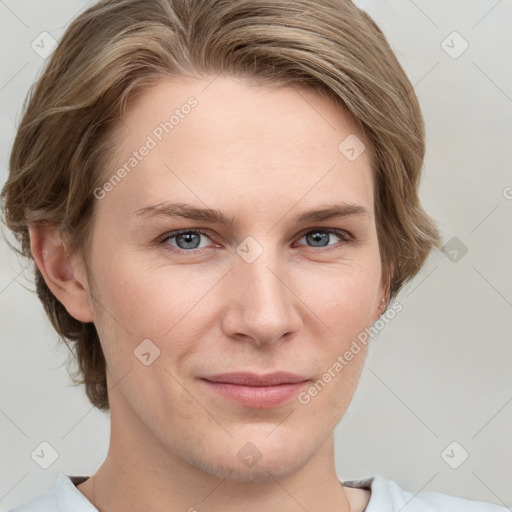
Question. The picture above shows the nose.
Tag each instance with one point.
(261, 306)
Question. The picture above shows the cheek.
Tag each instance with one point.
(329, 396)
(343, 297)
(344, 304)
(166, 305)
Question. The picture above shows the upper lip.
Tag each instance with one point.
(252, 379)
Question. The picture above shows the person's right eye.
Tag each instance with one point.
(187, 240)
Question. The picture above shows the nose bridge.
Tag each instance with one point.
(262, 302)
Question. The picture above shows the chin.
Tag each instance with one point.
(269, 464)
(268, 471)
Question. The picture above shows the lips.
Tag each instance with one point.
(251, 379)
(257, 391)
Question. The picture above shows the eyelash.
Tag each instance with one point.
(342, 234)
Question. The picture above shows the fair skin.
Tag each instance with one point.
(262, 156)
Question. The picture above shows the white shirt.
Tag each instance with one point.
(386, 496)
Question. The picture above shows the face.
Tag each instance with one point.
(182, 298)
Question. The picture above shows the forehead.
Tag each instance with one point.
(220, 137)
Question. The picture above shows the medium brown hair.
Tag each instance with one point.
(118, 48)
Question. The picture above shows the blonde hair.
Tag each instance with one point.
(118, 48)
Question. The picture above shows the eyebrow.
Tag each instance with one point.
(182, 210)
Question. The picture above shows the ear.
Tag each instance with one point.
(382, 301)
(63, 272)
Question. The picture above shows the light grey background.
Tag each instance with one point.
(439, 372)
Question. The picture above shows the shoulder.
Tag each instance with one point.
(46, 502)
(388, 495)
(63, 497)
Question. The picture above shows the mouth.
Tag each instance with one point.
(256, 391)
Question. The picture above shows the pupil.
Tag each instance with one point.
(187, 238)
(316, 237)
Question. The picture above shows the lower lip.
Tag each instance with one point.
(261, 397)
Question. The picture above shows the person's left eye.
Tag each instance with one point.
(188, 240)
(321, 235)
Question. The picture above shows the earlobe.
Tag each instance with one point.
(382, 303)
(380, 307)
(61, 271)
